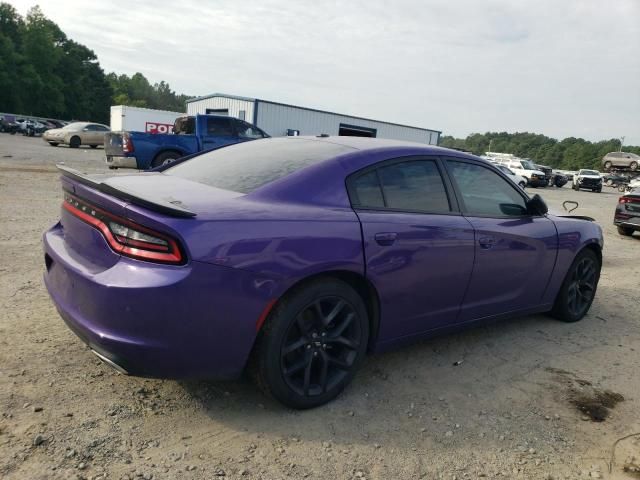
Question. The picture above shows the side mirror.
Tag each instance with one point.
(85, 129)
(537, 206)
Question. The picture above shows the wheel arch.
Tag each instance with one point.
(359, 283)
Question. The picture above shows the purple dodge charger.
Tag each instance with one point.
(294, 257)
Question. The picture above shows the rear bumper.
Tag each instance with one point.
(121, 162)
(151, 320)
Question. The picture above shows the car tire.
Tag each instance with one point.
(311, 344)
(607, 166)
(633, 166)
(522, 185)
(74, 142)
(165, 158)
(93, 146)
(578, 288)
(53, 144)
(610, 183)
(625, 231)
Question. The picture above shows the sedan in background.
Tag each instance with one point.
(627, 215)
(76, 134)
(293, 257)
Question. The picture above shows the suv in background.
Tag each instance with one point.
(588, 179)
(548, 173)
(621, 160)
(526, 169)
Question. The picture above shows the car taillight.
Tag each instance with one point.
(628, 200)
(126, 237)
(127, 143)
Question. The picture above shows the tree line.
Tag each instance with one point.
(569, 154)
(46, 74)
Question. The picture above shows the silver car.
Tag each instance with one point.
(76, 134)
(621, 160)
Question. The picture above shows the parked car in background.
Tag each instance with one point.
(621, 160)
(191, 134)
(526, 169)
(559, 179)
(517, 179)
(32, 128)
(8, 124)
(614, 179)
(76, 134)
(548, 173)
(294, 256)
(587, 179)
(627, 214)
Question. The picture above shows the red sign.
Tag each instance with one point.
(154, 127)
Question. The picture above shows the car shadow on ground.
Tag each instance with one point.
(420, 387)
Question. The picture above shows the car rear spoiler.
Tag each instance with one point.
(101, 183)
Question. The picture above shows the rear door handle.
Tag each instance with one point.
(486, 242)
(386, 238)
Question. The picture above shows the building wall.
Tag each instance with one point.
(276, 119)
(232, 104)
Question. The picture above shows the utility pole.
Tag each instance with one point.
(490, 142)
(621, 142)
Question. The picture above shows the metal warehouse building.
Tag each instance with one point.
(279, 119)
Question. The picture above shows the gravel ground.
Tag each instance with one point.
(509, 400)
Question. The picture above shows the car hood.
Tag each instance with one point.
(537, 172)
(589, 176)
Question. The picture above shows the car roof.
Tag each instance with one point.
(367, 143)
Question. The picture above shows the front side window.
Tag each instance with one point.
(485, 193)
(414, 185)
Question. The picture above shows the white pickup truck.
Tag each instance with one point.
(587, 179)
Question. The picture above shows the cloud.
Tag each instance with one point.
(566, 68)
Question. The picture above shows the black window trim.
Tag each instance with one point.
(447, 159)
(448, 187)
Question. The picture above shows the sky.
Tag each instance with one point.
(560, 68)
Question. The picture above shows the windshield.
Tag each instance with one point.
(246, 166)
(589, 172)
(528, 165)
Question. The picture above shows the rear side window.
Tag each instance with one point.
(219, 126)
(244, 167)
(415, 185)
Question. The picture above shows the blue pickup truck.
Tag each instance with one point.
(191, 134)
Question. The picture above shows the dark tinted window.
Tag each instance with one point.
(366, 191)
(100, 128)
(219, 126)
(414, 185)
(486, 193)
(243, 167)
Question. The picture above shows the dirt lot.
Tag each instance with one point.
(520, 405)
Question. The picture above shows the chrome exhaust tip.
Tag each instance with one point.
(111, 363)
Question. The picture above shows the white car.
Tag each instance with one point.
(517, 179)
(588, 179)
(526, 169)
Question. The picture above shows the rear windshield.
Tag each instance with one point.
(589, 172)
(247, 166)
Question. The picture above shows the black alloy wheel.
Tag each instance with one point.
(321, 346)
(579, 287)
(312, 344)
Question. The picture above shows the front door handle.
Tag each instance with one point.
(386, 238)
(486, 242)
